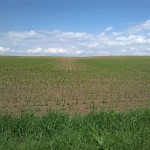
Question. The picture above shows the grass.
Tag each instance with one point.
(94, 131)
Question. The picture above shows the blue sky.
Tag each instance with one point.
(74, 27)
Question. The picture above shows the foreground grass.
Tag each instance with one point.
(95, 131)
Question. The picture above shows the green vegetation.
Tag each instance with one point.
(95, 131)
(115, 89)
(74, 85)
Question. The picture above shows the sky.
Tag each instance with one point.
(74, 27)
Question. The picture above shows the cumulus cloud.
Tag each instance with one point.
(145, 26)
(2, 49)
(133, 41)
(46, 51)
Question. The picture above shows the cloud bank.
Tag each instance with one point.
(131, 41)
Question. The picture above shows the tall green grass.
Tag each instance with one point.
(95, 131)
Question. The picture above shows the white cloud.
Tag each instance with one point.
(116, 33)
(21, 35)
(2, 49)
(108, 29)
(132, 39)
(78, 52)
(34, 51)
(140, 27)
(56, 50)
(45, 51)
(61, 43)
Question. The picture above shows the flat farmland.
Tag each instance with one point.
(74, 85)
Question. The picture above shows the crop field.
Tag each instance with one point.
(63, 103)
(74, 85)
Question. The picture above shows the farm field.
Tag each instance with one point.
(74, 85)
(66, 103)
